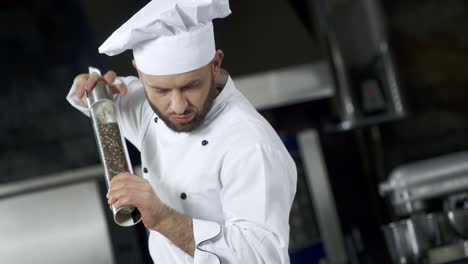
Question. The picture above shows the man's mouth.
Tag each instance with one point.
(182, 119)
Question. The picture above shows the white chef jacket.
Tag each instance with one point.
(232, 175)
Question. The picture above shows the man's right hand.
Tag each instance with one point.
(85, 82)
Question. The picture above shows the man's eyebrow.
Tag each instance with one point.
(155, 86)
(159, 88)
(190, 83)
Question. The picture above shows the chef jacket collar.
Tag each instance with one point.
(224, 82)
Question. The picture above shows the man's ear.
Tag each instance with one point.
(217, 60)
(136, 68)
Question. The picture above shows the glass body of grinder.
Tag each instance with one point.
(111, 143)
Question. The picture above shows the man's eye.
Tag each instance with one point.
(191, 86)
(160, 91)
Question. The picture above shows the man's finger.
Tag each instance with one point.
(136, 186)
(109, 77)
(117, 86)
(116, 196)
(121, 88)
(122, 202)
(129, 185)
(123, 176)
(79, 91)
(122, 180)
(79, 84)
(93, 77)
(135, 199)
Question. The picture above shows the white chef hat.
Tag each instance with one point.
(169, 36)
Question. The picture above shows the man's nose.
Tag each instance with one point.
(178, 103)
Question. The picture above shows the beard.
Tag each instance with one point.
(198, 116)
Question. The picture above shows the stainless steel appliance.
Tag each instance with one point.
(368, 89)
(64, 218)
(430, 198)
(53, 220)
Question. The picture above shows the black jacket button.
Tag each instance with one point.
(145, 170)
(183, 196)
(204, 142)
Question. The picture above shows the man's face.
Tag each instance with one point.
(181, 100)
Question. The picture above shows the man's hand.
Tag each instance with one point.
(127, 189)
(85, 82)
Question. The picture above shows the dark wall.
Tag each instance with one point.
(43, 45)
(264, 35)
(430, 42)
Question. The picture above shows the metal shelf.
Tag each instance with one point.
(286, 86)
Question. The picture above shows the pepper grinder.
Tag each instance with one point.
(111, 143)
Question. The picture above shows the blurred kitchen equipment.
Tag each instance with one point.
(409, 240)
(413, 190)
(63, 218)
(452, 253)
(367, 85)
(111, 143)
(406, 240)
(456, 210)
(410, 186)
(322, 198)
(458, 220)
(45, 223)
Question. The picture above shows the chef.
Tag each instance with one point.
(217, 183)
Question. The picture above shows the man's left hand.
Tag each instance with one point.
(128, 189)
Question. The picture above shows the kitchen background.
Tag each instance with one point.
(302, 62)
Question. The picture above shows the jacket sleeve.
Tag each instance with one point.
(259, 184)
(132, 109)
